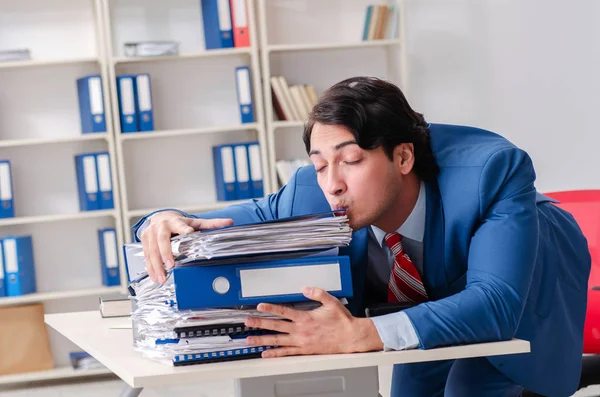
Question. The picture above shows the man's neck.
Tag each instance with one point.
(401, 208)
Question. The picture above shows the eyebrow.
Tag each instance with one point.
(337, 147)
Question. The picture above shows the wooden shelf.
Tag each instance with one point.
(23, 220)
(195, 55)
(331, 46)
(189, 208)
(51, 374)
(44, 141)
(190, 131)
(49, 296)
(40, 63)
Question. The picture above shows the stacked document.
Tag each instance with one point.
(220, 276)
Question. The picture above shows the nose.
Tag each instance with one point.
(335, 184)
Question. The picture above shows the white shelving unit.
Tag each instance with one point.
(40, 134)
(318, 43)
(194, 102)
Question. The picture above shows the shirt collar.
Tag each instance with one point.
(414, 226)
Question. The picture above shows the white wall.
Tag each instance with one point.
(525, 69)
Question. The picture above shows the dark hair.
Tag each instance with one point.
(377, 114)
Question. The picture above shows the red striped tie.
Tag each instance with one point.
(405, 283)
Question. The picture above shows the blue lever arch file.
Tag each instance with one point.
(198, 287)
(107, 241)
(216, 16)
(144, 102)
(244, 94)
(2, 281)
(242, 172)
(256, 174)
(127, 103)
(91, 104)
(106, 199)
(87, 182)
(19, 266)
(7, 209)
(224, 170)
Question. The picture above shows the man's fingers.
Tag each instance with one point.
(281, 311)
(270, 340)
(281, 352)
(201, 224)
(146, 246)
(155, 259)
(319, 295)
(270, 324)
(163, 239)
(182, 226)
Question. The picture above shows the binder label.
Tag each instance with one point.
(227, 164)
(241, 164)
(5, 186)
(143, 87)
(127, 105)
(290, 279)
(104, 173)
(10, 255)
(1, 263)
(89, 174)
(243, 77)
(95, 88)
(255, 167)
(224, 15)
(110, 249)
(239, 12)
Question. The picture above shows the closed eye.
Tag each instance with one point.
(353, 162)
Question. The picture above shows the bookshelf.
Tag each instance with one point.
(319, 43)
(194, 101)
(40, 134)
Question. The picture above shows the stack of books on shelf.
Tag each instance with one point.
(287, 168)
(198, 314)
(381, 22)
(292, 102)
(238, 171)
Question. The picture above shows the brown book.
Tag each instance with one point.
(24, 342)
(277, 105)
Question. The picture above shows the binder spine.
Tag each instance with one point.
(6, 190)
(126, 91)
(87, 182)
(144, 102)
(221, 355)
(244, 94)
(242, 172)
(232, 330)
(107, 241)
(224, 170)
(105, 189)
(2, 271)
(216, 17)
(256, 174)
(18, 262)
(91, 104)
(239, 17)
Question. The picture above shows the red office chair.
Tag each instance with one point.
(584, 205)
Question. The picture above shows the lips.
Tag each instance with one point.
(341, 210)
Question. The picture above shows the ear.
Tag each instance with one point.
(404, 157)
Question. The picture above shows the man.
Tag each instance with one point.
(444, 217)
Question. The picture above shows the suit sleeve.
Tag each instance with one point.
(274, 206)
(501, 259)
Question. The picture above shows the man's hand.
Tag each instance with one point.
(156, 239)
(328, 329)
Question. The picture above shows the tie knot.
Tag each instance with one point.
(394, 242)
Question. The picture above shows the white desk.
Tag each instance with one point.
(113, 348)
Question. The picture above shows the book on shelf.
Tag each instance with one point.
(381, 22)
(287, 168)
(117, 305)
(293, 102)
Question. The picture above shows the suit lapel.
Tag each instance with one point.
(433, 244)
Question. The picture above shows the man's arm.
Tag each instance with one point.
(500, 264)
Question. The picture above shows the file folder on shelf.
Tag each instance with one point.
(239, 17)
(2, 281)
(244, 94)
(242, 172)
(126, 91)
(104, 181)
(107, 241)
(87, 182)
(216, 16)
(224, 170)
(144, 102)
(198, 287)
(7, 209)
(256, 174)
(91, 104)
(19, 265)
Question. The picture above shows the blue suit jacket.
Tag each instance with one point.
(500, 260)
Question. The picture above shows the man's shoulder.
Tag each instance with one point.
(458, 146)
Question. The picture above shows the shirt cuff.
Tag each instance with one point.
(396, 331)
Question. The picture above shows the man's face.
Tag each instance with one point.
(365, 183)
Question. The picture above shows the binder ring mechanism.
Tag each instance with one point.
(221, 285)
